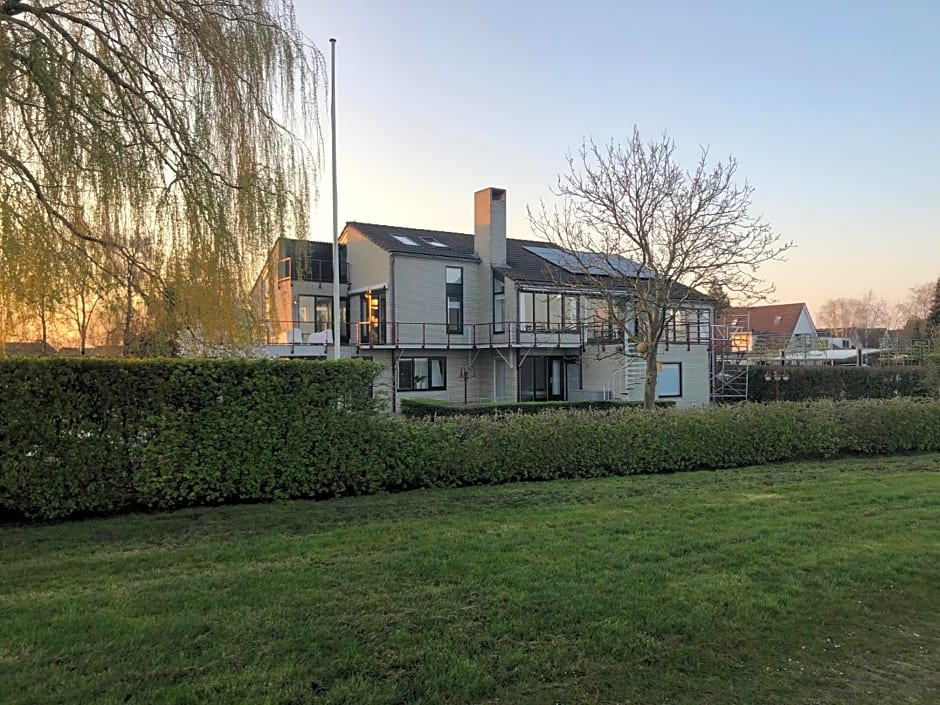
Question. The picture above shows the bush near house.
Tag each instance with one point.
(423, 408)
(84, 436)
(837, 382)
(87, 436)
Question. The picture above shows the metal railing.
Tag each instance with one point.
(369, 334)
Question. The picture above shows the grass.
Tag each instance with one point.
(799, 583)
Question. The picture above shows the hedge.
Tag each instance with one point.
(836, 382)
(420, 408)
(84, 436)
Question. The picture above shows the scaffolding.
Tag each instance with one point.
(897, 351)
(731, 343)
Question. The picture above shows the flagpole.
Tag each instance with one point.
(336, 273)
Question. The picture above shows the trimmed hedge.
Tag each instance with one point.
(421, 408)
(80, 437)
(84, 436)
(837, 382)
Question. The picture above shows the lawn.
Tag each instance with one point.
(799, 583)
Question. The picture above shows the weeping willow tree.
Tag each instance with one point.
(177, 136)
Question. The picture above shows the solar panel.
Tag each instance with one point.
(592, 263)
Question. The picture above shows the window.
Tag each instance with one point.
(602, 325)
(499, 379)
(572, 306)
(554, 311)
(499, 304)
(777, 320)
(548, 312)
(318, 310)
(526, 309)
(306, 306)
(422, 373)
(669, 380)
(453, 279)
(434, 242)
(372, 318)
(405, 240)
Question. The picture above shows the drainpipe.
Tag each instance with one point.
(390, 303)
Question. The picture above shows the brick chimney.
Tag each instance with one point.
(489, 225)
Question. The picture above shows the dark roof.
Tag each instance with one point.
(459, 245)
(524, 267)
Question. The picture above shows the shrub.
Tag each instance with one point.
(92, 436)
(838, 382)
(82, 436)
(418, 408)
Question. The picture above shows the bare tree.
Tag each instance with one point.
(191, 125)
(680, 230)
(915, 309)
(863, 318)
(838, 316)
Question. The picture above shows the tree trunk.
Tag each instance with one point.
(128, 313)
(44, 333)
(649, 391)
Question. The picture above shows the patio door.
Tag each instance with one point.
(542, 378)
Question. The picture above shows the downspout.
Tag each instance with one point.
(394, 317)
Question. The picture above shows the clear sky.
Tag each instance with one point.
(832, 110)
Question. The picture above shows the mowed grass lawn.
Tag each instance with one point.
(801, 583)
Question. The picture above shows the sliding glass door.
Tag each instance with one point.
(542, 378)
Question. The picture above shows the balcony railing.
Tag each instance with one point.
(367, 334)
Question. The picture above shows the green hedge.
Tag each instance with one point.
(80, 437)
(837, 382)
(420, 408)
(96, 436)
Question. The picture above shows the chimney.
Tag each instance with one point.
(489, 225)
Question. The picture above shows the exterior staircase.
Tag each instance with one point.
(629, 376)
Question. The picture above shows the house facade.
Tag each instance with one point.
(482, 317)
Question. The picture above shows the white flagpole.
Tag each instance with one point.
(336, 274)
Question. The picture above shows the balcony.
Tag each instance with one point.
(475, 335)
(509, 334)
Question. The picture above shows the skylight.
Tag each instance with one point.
(405, 240)
(434, 242)
(777, 320)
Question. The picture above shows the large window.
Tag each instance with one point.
(372, 318)
(453, 278)
(601, 325)
(422, 373)
(669, 380)
(547, 311)
(499, 303)
(318, 310)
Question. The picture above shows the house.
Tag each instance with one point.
(469, 317)
(778, 329)
(838, 339)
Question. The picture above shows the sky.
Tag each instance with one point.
(832, 110)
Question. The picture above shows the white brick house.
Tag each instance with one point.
(482, 317)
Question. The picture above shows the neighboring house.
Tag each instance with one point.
(776, 329)
(838, 339)
(482, 317)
